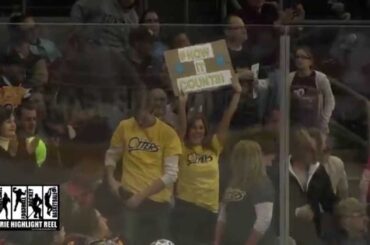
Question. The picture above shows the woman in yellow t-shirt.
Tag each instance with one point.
(197, 189)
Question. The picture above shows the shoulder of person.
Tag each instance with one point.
(165, 126)
(320, 75)
(336, 161)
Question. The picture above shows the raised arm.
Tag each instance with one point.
(228, 114)
(183, 98)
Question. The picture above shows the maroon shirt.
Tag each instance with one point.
(305, 101)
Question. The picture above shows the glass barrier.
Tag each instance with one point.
(189, 134)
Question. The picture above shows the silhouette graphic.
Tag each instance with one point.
(47, 201)
(4, 205)
(19, 193)
(36, 202)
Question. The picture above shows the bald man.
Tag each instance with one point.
(160, 108)
(236, 36)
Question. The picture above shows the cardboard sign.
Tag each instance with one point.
(200, 67)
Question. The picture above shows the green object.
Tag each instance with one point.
(41, 153)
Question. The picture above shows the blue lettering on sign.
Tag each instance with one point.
(220, 60)
(180, 68)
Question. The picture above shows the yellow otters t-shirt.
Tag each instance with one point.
(144, 151)
(198, 180)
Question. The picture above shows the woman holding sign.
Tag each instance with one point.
(197, 190)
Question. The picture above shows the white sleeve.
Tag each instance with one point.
(171, 168)
(264, 216)
(222, 213)
(112, 156)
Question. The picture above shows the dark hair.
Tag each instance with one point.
(5, 113)
(207, 136)
(24, 106)
(17, 18)
(172, 36)
(14, 23)
(140, 34)
(146, 12)
(308, 51)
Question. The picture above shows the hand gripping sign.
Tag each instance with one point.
(200, 67)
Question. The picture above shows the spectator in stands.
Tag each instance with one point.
(246, 215)
(150, 151)
(7, 133)
(312, 100)
(160, 107)
(26, 131)
(12, 71)
(17, 166)
(106, 13)
(151, 19)
(353, 223)
(179, 40)
(236, 36)
(140, 56)
(24, 24)
(334, 166)
(197, 190)
(19, 46)
(311, 191)
(258, 12)
(254, 97)
(321, 10)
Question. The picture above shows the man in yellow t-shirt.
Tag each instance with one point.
(150, 151)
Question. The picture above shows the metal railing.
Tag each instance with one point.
(358, 96)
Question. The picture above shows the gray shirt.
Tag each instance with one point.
(110, 24)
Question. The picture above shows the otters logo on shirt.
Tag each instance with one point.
(234, 195)
(195, 158)
(139, 144)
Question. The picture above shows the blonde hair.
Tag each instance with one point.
(303, 147)
(247, 168)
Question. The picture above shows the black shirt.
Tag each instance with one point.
(241, 215)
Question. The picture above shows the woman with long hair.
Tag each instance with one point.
(247, 209)
(197, 189)
(312, 98)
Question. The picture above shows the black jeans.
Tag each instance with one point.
(192, 224)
